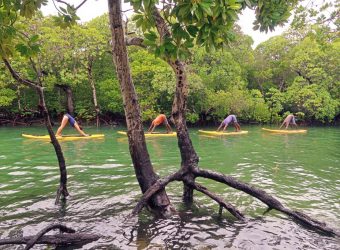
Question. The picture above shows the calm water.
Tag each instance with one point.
(302, 171)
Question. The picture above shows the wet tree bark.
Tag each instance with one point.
(62, 190)
(72, 238)
(93, 87)
(18, 93)
(188, 154)
(145, 174)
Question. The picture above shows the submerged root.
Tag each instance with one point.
(71, 238)
(260, 194)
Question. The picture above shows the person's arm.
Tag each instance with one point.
(218, 129)
(168, 127)
(150, 127)
(76, 126)
(225, 127)
(281, 125)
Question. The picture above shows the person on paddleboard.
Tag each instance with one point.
(159, 120)
(290, 120)
(67, 118)
(230, 119)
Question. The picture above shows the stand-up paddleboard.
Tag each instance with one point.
(243, 132)
(282, 131)
(154, 134)
(64, 137)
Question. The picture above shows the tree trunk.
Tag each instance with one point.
(93, 87)
(62, 190)
(19, 99)
(69, 97)
(188, 153)
(139, 154)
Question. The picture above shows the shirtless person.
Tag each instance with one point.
(290, 119)
(159, 120)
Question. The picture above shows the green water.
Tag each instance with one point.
(301, 170)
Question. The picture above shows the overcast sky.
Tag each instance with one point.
(93, 8)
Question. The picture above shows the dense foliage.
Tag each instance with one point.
(295, 72)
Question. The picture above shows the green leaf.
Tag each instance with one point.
(192, 30)
(23, 49)
(34, 38)
(151, 36)
(149, 43)
(206, 8)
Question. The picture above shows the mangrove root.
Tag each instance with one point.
(260, 194)
(71, 238)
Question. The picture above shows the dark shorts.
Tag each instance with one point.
(71, 120)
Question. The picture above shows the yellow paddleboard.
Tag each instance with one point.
(243, 132)
(65, 137)
(151, 135)
(284, 131)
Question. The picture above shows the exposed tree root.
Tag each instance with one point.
(269, 200)
(157, 186)
(219, 200)
(71, 238)
(263, 196)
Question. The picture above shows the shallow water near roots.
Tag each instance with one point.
(301, 170)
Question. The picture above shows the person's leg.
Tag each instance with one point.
(238, 126)
(64, 121)
(225, 127)
(154, 125)
(281, 125)
(294, 122)
(235, 126)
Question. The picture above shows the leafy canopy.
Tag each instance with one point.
(204, 22)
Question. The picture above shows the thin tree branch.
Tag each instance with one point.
(18, 78)
(81, 4)
(219, 200)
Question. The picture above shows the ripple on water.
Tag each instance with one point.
(103, 166)
(299, 171)
(20, 173)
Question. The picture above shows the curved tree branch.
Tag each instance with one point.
(269, 200)
(34, 240)
(219, 200)
(18, 78)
